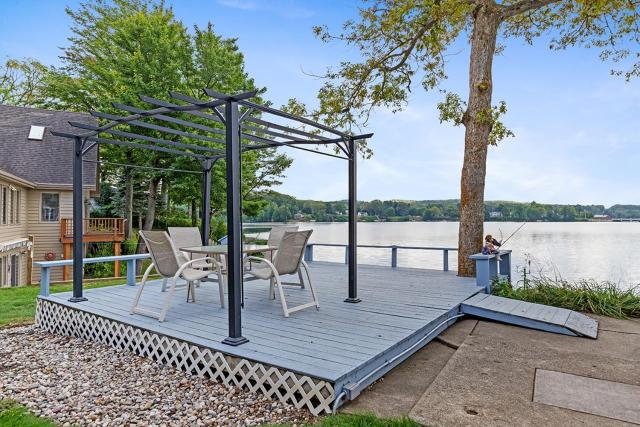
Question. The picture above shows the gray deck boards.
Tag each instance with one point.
(338, 341)
(527, 314)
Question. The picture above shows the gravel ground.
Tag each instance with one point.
(75, 382)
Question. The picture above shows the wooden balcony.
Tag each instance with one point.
(94, 230)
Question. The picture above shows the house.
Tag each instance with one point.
(601, 218)
(495, 214)
(36, 189)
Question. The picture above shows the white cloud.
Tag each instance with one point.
(238, 4)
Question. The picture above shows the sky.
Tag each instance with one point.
(576, 126)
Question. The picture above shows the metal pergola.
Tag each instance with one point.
(232, 121)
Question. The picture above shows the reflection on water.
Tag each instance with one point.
(575, 250)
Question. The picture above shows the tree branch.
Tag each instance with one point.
(525, 6)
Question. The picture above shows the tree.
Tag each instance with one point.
(123, 48)
(21, 82)
(400, 40)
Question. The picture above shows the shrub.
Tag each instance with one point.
(586, 295)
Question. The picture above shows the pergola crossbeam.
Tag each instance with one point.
(149, 138)
(170, 119)
(158, 128)
(267, 125)
(100, 140)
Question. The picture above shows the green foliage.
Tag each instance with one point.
(453, 109)
(101, 269)
(281, 208)
(14, 415)
(129, 246)
(589, 296)
(21, 82)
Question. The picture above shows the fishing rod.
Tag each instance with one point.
(513, 234)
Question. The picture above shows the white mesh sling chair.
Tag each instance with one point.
(288, 260)
(275, 237)
(184, 237)
(168, 264)
(277, 233)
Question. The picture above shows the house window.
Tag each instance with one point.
(50, 207)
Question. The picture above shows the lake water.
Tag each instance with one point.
(573, 250)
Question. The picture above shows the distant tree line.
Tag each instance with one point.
(280, 207)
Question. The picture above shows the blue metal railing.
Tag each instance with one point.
(308, 254)
(45, 268)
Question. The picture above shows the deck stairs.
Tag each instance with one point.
(530, 315)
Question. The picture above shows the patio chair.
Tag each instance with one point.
(169, 265)
(274, 239)
(184, 237)
(277, 233)
(288, 260)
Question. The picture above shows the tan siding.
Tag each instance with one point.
(10, 232)
(47, 234)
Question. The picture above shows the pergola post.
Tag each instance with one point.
(234, 222)
(205, 213)
(353, 223)
(78, 207)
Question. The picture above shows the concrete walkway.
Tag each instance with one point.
(489, 380)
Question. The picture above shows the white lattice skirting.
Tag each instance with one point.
(299, 390)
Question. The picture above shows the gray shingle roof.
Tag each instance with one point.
(47, 162)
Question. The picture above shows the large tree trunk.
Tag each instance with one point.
(151, 204)
(483, 44)
(128, 203)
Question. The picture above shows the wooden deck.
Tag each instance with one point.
(346, 345)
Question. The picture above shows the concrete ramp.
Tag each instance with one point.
(530, 315)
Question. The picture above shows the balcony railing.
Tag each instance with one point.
(105, 227)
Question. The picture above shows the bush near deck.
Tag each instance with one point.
(587, 296)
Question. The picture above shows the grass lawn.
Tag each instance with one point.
(14, 415)
(18, 305)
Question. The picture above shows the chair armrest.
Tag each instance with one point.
(188, 263)
(258, 259)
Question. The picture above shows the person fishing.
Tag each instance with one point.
(491, 245)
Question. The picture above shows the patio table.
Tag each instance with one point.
(216, 251)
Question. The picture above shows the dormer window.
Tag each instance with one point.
(36, 133)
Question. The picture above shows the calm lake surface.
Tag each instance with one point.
(573, 250)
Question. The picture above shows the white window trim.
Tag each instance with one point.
(3, 218)
(40, 207)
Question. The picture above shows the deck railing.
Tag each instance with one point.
(111, 226)
(308, 254)
(46, 266)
